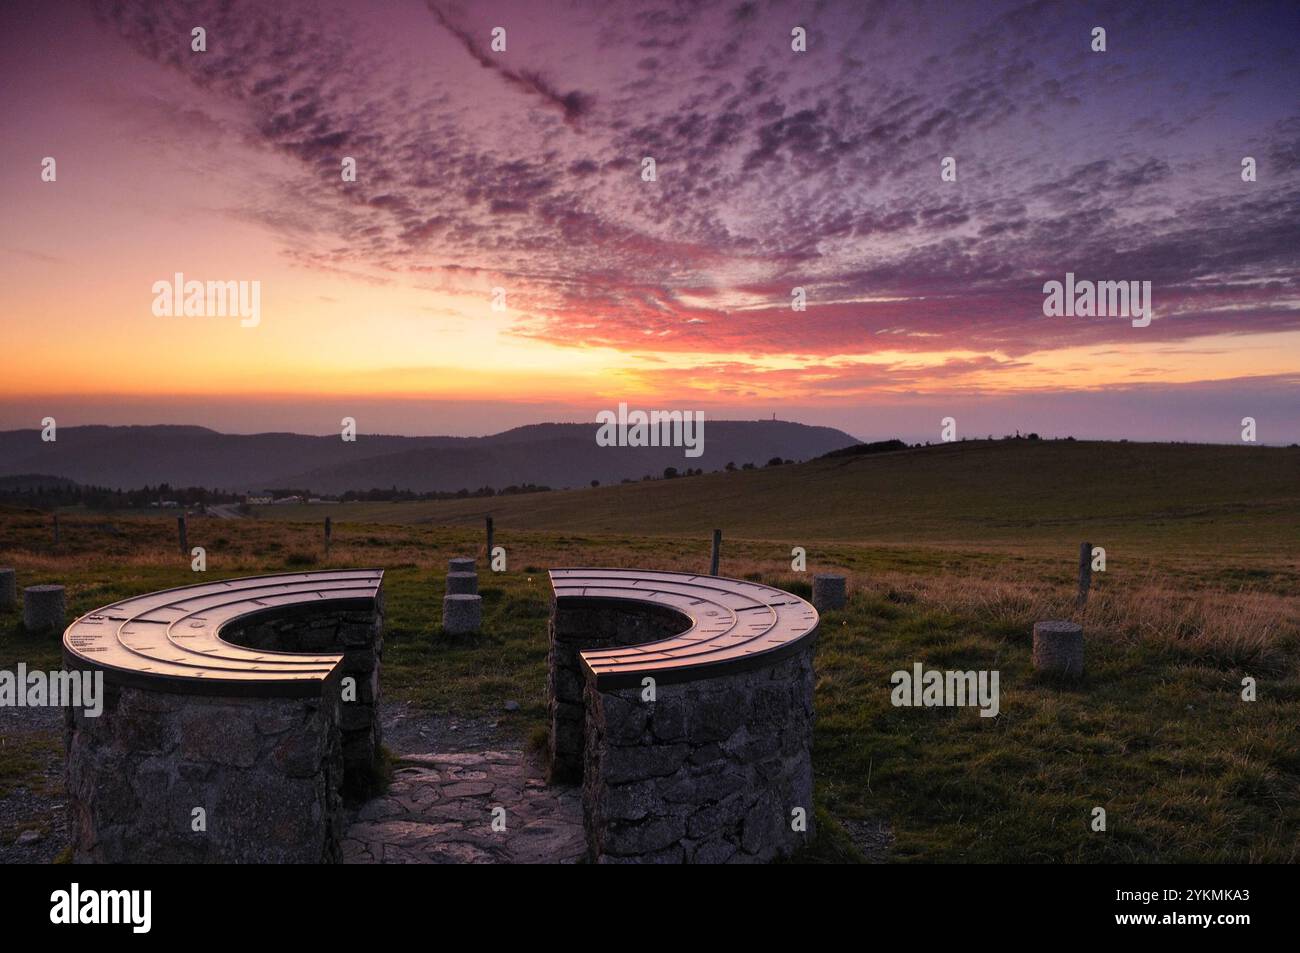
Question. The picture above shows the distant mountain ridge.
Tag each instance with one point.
(551, 454)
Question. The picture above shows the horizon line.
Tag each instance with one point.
(982, 438)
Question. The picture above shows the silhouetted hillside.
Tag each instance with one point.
(558, 455)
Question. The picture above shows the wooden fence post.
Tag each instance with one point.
(1085, 572)
(717, 551)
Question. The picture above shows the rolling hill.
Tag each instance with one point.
(975, 491)
(557, 455)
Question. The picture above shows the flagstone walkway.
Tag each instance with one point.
(468, 807)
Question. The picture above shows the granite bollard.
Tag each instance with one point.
(1058, 648)
(828, 592)
(462, 583)
(461, 564)
(44, 608)
(462, 613)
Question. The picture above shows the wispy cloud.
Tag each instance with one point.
(775, 169)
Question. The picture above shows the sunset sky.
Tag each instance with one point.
(775, 169)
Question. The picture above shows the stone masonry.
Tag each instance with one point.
(713, 771)
(269, 773)
(591, 624)
(356, 631)
(266, 772)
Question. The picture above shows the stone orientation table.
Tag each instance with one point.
(235, 713)
(684, 703)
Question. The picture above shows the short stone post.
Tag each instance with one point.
(182, 534)
(1085, 572)
(717, 552)
(8, 589)
(462, 583)
(462, 607)
(44, 608)
(1058, 648)
(462, 613)
(829, 592)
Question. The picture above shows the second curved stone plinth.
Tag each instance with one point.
(685, 705)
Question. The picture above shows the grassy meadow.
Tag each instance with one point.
(952, 553)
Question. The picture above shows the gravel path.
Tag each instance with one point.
(33, 822)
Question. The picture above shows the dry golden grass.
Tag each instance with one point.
(1013, 587)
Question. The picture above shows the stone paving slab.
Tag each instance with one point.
(439, 810)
